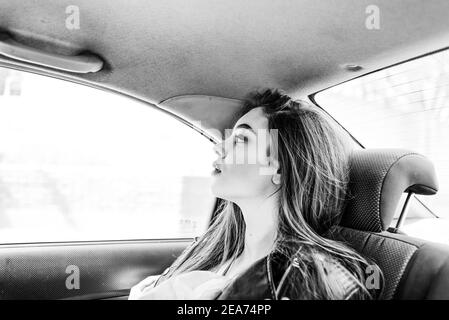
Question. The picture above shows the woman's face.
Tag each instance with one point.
(243, 169)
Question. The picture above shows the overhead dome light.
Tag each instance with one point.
(352, 67)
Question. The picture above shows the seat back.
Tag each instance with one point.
(412, 268)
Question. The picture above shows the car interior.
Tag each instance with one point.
(195, 61)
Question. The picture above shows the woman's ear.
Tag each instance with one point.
(276, 178)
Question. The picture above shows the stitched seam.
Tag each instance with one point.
(383, 236)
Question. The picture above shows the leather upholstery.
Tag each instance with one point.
(413, 268)
(427, 274)
(391, 255)
(378, 178)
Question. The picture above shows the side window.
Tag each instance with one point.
(80, 164)
(405, 106)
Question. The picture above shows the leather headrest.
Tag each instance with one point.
(377, 179)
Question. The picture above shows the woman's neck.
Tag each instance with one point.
(261, 227)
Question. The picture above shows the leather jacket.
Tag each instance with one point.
(274, 277)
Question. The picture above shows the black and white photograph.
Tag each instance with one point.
(236, 151)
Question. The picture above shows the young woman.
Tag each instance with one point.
(282, 175)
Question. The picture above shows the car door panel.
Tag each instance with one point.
(84, 270)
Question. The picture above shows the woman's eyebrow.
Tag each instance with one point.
(245, 126)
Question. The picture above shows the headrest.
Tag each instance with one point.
(377, 179)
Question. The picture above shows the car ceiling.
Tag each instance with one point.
(170, 52)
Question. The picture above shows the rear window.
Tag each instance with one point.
(405, 106)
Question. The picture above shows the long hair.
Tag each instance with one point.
(314, 176)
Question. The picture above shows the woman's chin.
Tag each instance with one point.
(218, 192)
